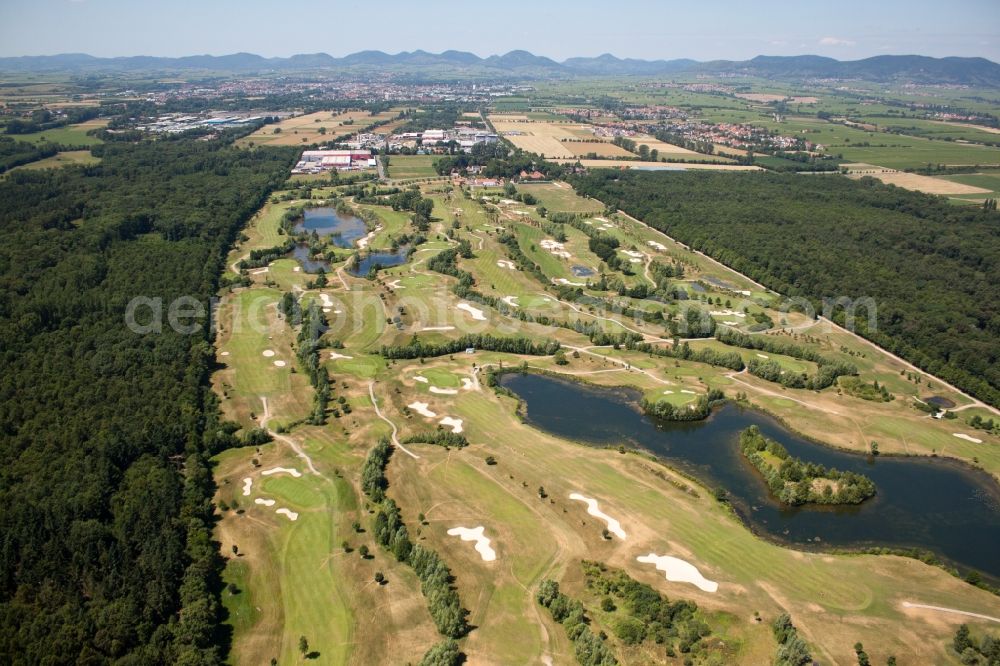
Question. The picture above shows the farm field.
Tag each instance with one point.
(928, 184)
(61, 159)
(314, 127)
(600, 148)
(412, 166)
(70, 135)
(637, 164)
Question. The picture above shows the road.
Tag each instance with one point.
(381, 167)
(955, 611)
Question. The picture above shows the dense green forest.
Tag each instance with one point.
(105, 437)
(930, 267)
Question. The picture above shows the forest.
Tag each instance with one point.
(106, 433)
(929, 266)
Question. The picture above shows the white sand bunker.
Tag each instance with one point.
(762, 356)
(568, 283)
(279, 364)
(327, 301)
(296, 269)
(658, 246)
(667, 392)
(454, 424)
(556, 248)
(727, 313)
(968, 438)
(247, 484)
(687, 391)
(509, 300)
(268, 353)
(327, 310)
(476, 313)
(224, 354)
(443, 391)
(475, 534)
(469, 384)
(438, 328)
(613, 525)
(679, 571)
(421, 408)
(504, 263)
(259, 271)
(634, 254)
(288, 512)
(334, 356)
(395, 284)
(421, 379)
(282, 470)
(264, 502)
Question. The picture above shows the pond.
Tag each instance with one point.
(383, 259)
(302, 255)
(581, 271)
(925, 503)
(940, 402)
(346, 229)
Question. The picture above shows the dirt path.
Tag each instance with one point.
(990, 618)
(395, 440)
(287, 440)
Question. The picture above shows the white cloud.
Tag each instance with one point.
(835, 41)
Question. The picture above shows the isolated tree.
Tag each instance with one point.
(379, 577)
(303, 645)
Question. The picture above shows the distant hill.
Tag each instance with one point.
(525, 65)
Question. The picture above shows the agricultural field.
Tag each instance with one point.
(667, 166)
(314, 127)
(70, 135)
(412, 166)
(65, 158)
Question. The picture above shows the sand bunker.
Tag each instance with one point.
(259, 271)
(968, 438)
(421, 379)
(475, 534)
(265, 502)
(503, 263)
(296, 269)
(421, 408)
(282, 470)
(334, 356)
(567, 282)
(667, 392)
(634, 254)
(509, 300)
(247, 484)
(288, 512)
(468, 384)
(687, 391)
(268, 353)
(763, 356)
(679, 571)
(613, 525)
(476, 313)
(438, 328)
(327, 301)
(454, 424)
(556, 248)
(224, 354)
(279, 364)
(655, 245)
(395, 284)
(726, 313)
(443, 391)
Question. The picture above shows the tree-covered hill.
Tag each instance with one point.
(932, 268)
(104, 434)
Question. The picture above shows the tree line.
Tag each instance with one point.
(588, 648)
(390, 532)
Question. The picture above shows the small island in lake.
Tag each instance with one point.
(795, 482)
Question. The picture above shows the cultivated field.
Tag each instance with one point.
(412, 166)
(928, 184)
(599, 148)
(314, 128)
(636, 164)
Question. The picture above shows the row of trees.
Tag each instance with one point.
(927, 264)
(794, 481)
(390, 532)
(15, 153)
(589, 648)
(482, 341)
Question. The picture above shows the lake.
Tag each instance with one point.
(302, 255)
(346, 229)
(926, 503)
(383, 259)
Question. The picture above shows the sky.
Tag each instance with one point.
(648, 29)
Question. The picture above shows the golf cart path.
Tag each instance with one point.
(287, 440)
(395, 440)
(907, 604)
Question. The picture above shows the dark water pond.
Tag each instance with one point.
(581, 271)
(383, 259)
(931, 504)
(301, 254)
(940, 402)
(346, 229)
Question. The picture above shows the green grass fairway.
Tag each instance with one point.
(70, 135)
(560, 197)
(412, 166)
